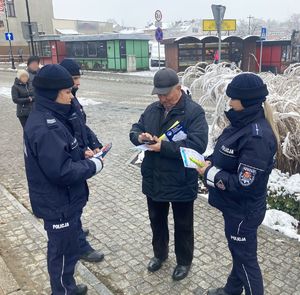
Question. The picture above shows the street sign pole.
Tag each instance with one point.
(158, 55)
(263, 35)
(30, 29)
(9, 39)
(260, 56)
(218, 13)
(158, 18)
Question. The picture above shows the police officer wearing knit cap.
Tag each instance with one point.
(237, 174)
(165, 180)
(73, 68)
(56, 172)
(90, 144)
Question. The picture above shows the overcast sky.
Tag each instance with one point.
(139, 12)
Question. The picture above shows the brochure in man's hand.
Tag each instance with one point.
(191, 158)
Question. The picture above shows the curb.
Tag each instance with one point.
(89, 277)
(8, 285)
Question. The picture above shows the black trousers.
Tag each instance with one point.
(62, 254)
(183, 214)
(241, 235)
(23, 120)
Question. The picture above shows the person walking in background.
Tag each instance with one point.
(22, 96)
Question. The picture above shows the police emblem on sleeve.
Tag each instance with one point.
(246, 175)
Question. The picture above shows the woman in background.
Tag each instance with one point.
(22, 95)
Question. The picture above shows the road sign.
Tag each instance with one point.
(158, 24)
(263, 33)
(9, 36)
(227, 25)
(218, 13)
(158, 15)
(159, 35)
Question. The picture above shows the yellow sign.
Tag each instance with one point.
(227, 25)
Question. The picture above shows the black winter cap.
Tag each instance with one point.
(53, 77)
(71, 66)
(249, 88)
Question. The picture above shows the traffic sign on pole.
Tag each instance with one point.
(158, 15)
(159, 34)
(9, 36)
(158, 24)
(263, 36)
(219, 12)
(263, 33)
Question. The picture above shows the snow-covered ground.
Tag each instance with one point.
(5, 91)
(282, 222)
(84, 101)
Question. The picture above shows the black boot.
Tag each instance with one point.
(81, 290)
(92, 256)
(218, 291)
(180, 272)
(155, 264)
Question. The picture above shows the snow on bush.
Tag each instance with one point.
(208, 84)
(282, 222)
(290, 184)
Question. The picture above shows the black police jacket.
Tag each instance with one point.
(89, 138)
(242, 161)
(55, 166)
(164, 176)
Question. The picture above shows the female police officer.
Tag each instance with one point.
(236, 175)
(57, 171)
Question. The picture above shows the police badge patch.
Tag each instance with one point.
(246, 175)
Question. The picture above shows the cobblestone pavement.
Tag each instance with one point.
(116, 213)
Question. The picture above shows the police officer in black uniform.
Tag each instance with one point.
(165, 179)
(89, 143)
(57, 171)
(237, 174)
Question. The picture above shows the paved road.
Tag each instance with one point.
(116, 213)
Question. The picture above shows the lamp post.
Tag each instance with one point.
(30, 29)
(10, 47)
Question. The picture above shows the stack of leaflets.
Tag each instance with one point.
(191, 158)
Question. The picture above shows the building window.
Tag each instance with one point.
(78, 49)
(45, 49)
(10, 6)
(102, 52)
(92, 49)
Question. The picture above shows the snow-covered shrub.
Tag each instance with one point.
(284, 193)
(209, 85)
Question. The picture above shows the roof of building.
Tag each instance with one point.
(104, 37)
